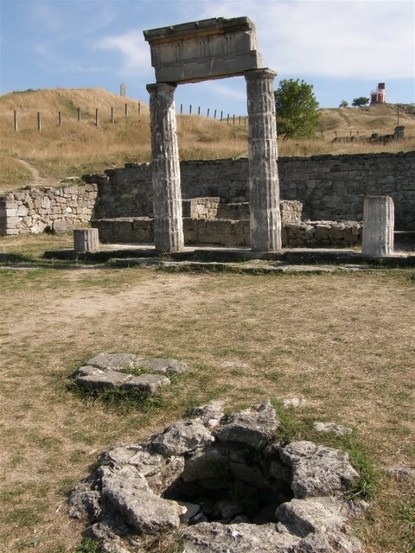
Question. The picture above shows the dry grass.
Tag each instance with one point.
(344, 342)
(78, 148)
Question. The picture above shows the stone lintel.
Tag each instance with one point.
(203, 50)
(204, 27)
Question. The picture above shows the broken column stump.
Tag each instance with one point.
(378, 226)
(86, 240)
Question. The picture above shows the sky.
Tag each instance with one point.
(344, 48)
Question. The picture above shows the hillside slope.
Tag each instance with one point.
(78, 147)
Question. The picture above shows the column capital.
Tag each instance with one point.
(154, 88)
(264, 73)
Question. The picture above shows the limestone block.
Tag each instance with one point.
(128, 493)
(160, 365)
(181, 437)
(317, 470)
(113, 361)
(252, 426)
(378, 226)
(147, 383)
(202, 50)
(86, 240)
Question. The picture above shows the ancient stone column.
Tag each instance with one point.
(167, 200)
(263, 171)
(378, 226)
(86, 240)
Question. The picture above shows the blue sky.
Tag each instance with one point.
(342, 47)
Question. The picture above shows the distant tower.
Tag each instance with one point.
(123, 89)
(378, 96)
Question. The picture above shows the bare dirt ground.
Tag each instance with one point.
(342, 342)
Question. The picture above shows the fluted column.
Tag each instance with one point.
(263, 170)
(378, 226)
(165, 169)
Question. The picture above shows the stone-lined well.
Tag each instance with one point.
(220, 483)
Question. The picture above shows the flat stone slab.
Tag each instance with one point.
(119, 370)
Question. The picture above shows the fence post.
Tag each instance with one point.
(214, 114)
(139, 108)
(227, 119)
(126, 110)
(112, 116)
(208, 111)
(233, 119)
(190, 109)
(221, 116)
(198, 110)
(181, 109)
(15, 121)
(97, 117)
(59, 119)
(39, 121)
(79, 114)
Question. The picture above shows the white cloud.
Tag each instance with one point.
(135, 52)
(332, 38)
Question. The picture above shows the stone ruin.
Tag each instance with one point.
(127, 372)
(199, 51)
(220, 483)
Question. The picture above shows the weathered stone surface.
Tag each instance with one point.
(146, 462)
(378, 225)
(160, 365)
(237, 538)
(62, 227)
(332, 427)
(181, 437)
(264, 190)
(127, 491)
(148, 383)
(113, 361)
(210, 414)
(93, 377)
(302, 517)
(84, 501)
(252, 426)
(317, 470)
(202, 50)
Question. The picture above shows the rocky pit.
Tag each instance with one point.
(220, 483)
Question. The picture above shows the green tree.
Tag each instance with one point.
(297, 109)
(360, 102)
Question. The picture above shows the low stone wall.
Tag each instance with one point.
(34, 210)
(330, 187)
(231, 233)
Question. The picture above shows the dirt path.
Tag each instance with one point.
(37, 180)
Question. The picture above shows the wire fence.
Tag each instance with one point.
(101, 116)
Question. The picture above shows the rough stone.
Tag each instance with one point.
(181, 476)
(332, 427)
(252, 426)
(93, 377)
(317, 470)
(181, 437)
(127, 491)
(148, 383)
(114, 361)
(160, 365)
(237, 538)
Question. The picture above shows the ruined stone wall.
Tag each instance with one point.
(230, 233)
(34, 210)
(330, 187)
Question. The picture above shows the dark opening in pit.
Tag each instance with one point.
(231, 483)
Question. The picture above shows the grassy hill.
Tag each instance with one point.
(78, 147)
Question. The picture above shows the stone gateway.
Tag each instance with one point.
(198, 51)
